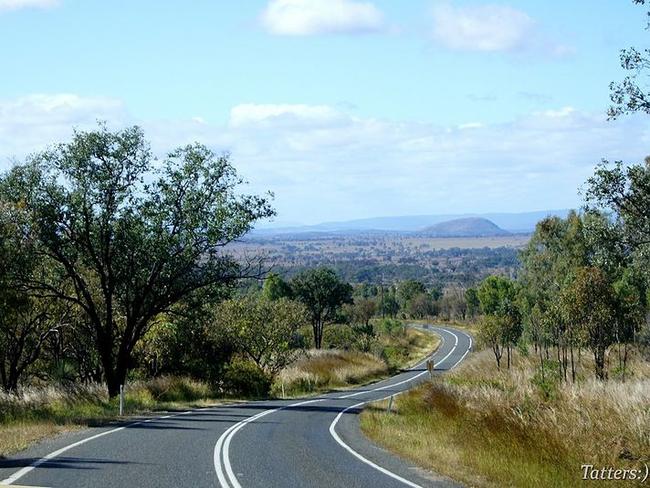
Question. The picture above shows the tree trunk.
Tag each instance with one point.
(318, 334)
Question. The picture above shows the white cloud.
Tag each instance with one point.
(313, 17)
(481, 28)
(324, 163)
(8, 5)
(265, 114)
(29, 123)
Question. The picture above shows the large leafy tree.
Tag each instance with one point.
(590, 303)
(262, 329)
(26, 322)
(130, 236)
(497, 296)
(323, 293)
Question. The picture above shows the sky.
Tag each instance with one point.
(344, 109)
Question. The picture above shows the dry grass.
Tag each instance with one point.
(19, 436)
(323, 370)
(328, 369)
(490, 428)
(36, 413)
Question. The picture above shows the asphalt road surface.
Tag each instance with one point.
(315, 442)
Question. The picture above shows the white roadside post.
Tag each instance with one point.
(430, 368)
(390, 404)
(121, 400)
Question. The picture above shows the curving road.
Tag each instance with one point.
(286, 443)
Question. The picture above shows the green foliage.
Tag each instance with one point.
(340, 336)
(496, 295)
(275, 287)
(323, 294)
(590, 303)
(243, 378)
(391, 327)
(361, 311)
(407, 290)
(547, 379)
(129, 236)
(262, 329)
(473, 302)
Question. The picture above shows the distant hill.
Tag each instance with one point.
(523, 222)
(468, 227)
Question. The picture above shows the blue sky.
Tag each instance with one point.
(344, 108)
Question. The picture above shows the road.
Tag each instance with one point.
(314, 442)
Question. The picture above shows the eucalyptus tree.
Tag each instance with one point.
(130, 236)
(26, 321)
(262, 329)
(323, 293)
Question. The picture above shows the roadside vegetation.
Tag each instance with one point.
(563, 377)
(392, 347)
(509, 427)
(115, 272)
(37, 412)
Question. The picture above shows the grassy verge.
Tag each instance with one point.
(491, 428)
(37, 413)
(323, 370)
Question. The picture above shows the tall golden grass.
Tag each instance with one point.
(326, 369)
(503, 428)
(37, 412)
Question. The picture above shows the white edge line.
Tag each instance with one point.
(23, 471)
(359, 456)
(221, 448)
(408, 379)
(336, 437)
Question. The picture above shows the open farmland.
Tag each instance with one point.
(371, 257)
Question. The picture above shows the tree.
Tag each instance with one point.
(628, 96)
(589, 303)
(361, 311)
(497, 296)
(407, 290)
(129, 236)
(26, 321)
(388, 304)
(321, 291)
(421, 306)
(491, 334)
(262, 329)
(275, 287)
(473, 303)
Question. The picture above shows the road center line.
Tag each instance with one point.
(221, 456)
(385, 471)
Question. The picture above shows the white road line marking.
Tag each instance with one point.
(225, 474)
(23, 471)
(221, 454)
(359, 456)
(412, 377)
(336, 437)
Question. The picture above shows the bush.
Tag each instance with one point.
(547, 378)
(178, 389)
(339, 337)
(391, 327)
(245, 378)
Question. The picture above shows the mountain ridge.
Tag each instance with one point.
(465, 227)
(513, 222)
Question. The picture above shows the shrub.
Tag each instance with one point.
(391, 327)
(339, 337)
(245, 378)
